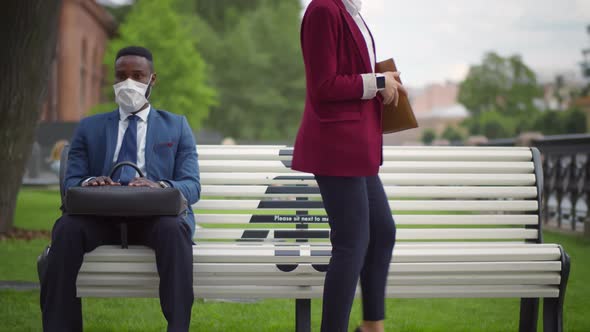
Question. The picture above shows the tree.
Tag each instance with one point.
(492, 124)
(506, 85)
(253, 60)
(453, 134)
(182, 76)
(220, 15)
(119, 12)
(572, 121)
(258, 70)
(28, 30)
(428, 136)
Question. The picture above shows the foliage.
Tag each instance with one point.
(506, 85)
(253, 59)
(453, 134)
(491, 124)
(428, 136)
(500, 94)
(119, 13)
(572, 121)
(181, 85)
(258, 70)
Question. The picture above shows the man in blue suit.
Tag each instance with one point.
(163, 147)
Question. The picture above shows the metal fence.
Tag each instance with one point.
(566, 188)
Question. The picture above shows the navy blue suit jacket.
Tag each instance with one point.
(170, 152)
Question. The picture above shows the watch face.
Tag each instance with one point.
(381, 82)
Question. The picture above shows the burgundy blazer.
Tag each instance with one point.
(340, 134)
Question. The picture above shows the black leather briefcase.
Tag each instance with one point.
(124, 201)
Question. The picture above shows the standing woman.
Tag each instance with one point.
(340, 141)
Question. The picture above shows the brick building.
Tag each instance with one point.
(77, 74)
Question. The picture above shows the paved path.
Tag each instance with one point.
(19, 285)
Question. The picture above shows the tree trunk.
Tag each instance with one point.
(28, 31)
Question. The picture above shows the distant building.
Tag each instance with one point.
(558, 94)
(77, 73)
(436, 107)
(434, 96)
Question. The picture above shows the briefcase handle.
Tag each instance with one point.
(125, 163)
(123, 225)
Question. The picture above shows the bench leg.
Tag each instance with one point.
(552, 315)
(303, 315)
(553, 307)
(529, 314)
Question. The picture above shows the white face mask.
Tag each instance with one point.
(130, 95)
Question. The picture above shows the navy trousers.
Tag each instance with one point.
(362, 237)
(73, 236)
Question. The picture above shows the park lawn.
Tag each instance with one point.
(21, 313)
(36, 209)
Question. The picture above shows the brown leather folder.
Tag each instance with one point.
(398, 118)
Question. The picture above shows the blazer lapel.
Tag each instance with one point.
(153, 129)
(112, 131)
(357, 35)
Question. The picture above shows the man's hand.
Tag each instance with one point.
(143, 182)
(101, 181)
(393, 88)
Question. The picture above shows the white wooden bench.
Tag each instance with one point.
(468, 227)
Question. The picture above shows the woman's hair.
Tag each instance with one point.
(57, 149)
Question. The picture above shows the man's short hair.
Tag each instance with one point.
(136, 50)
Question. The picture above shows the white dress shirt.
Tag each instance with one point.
(369, 81)
(142, 124)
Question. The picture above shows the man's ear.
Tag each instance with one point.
(154, 79)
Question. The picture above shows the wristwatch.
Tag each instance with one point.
(380, 82)
(163, 184)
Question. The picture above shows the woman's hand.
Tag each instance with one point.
(393, 88)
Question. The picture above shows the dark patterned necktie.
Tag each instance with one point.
(128, 152)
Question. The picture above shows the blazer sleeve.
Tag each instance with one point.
(186, 166)
(319, 38)
(78, 169)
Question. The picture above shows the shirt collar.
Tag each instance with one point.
(143, 114)
(353, 6)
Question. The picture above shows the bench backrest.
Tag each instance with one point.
(459, 194)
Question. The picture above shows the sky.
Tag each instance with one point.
(433, 41)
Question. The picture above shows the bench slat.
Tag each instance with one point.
(402, 179)
(400, 255)
(391, 191)
(402, 219)
(215, 147)
(232, 292)
(389, 153)
(144, 254)
(272, 166)
(152, 279)
(272, 269)
(402, 234)
(396, 205)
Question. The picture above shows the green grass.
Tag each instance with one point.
(38, 210)
(18, 259)
(21, 313)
